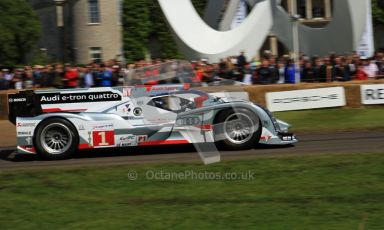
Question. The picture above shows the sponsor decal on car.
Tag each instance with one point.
(265, 138)
(63, 98)
(142, 138)
(22, 124)
(23, 99)
(103, 138)
(149, 88)
(28, 140)
(24, 133)
(266, 135)
(29, 149)
(129, 140)
(165, 88)
(103, 135)
(99, 127)
(126, 108)
(127, 92)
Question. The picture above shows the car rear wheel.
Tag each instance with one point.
(237, 129)
(56, 138)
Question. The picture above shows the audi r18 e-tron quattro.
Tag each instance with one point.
(57, 123)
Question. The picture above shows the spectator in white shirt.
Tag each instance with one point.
(370, 68)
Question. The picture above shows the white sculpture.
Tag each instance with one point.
(198, 40)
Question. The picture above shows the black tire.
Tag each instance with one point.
(246, 132)
(56, 139)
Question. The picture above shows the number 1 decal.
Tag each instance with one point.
(103, 138)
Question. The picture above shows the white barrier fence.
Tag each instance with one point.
(372, 94)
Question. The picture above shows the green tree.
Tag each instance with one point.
(162, 32)
(199, 6)
(377, 13)
(19, 31)
(144, 19)
(136, 28)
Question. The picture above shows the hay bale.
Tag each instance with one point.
(3, 106)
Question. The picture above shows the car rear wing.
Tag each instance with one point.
(32, 103)
(23, 104)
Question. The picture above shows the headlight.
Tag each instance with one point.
(287, 136)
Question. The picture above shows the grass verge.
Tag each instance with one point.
(310, 192)
(322, 120)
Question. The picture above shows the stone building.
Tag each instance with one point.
(313, 13)
(80, 31)
(318, 13)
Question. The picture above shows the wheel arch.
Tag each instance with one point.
(50, 118)
(234, 108)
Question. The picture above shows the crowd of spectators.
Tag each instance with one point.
(278, 70)
(61, 76)
(268, 69)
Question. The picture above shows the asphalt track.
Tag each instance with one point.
(309, 144)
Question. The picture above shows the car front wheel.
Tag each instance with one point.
(237, 129)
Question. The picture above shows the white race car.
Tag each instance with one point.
(57, 123)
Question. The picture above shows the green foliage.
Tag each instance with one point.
(19, 31)
(137, 27)
(377, 13)
(162, 32)
(144, 19)
(199, 6)
(40, 57)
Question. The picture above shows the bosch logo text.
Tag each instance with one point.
(17, 100)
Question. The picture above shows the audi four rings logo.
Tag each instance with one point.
(188, 121)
